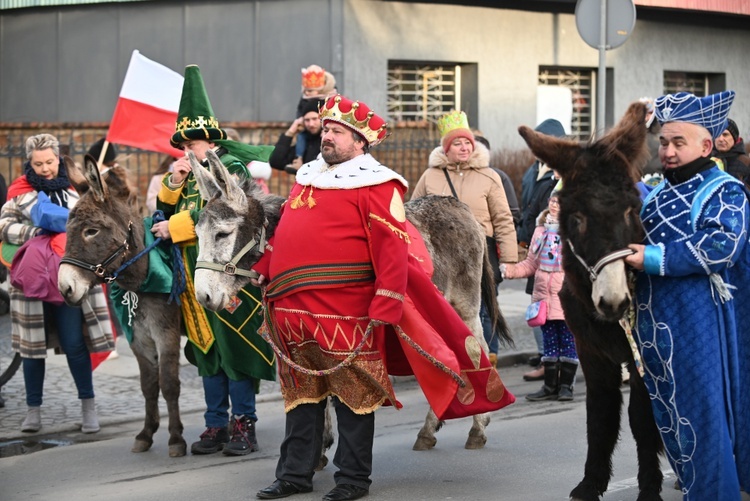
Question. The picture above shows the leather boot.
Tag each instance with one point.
(551, 385)
(33, 421)
(90, 422)
(567, 380)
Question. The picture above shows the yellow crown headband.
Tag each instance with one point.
(452, 121)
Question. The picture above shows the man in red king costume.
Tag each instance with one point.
(348, 304)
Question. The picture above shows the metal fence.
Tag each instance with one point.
(407, 152)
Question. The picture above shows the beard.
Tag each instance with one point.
(332, 156)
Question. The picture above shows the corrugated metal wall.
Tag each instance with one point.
(68, 64)
(22, 4)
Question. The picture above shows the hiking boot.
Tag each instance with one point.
(243, 439)
(212, 440)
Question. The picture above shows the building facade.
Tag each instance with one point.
(503, 62)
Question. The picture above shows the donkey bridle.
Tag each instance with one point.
(100, 270)
(230, 268)
(604, 261)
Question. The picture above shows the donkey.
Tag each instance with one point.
(599, 217)
(106, 227)
(235, 214)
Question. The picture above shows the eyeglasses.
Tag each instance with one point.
(553, 201)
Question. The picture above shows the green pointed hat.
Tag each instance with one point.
(195, 119)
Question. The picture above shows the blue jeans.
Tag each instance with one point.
(218, 390)
(493, 340)
(69, 322)
(301, 145)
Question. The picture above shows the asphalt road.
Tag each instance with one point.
(535, 451)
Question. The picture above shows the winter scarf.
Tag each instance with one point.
(55, 188)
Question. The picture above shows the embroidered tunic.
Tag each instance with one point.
(228, 339)
(693, 336)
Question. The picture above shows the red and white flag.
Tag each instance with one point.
(147, 108)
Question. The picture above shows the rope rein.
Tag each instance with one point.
(178, 266)
(354, 354)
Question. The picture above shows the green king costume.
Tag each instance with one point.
(225, 340)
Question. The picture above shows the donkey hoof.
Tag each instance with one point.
(475, 442)
(424, 443)
(141, 445)
(177, 450)
(322, 463)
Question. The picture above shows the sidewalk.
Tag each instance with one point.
(118, 393)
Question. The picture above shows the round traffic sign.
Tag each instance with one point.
(620, 21)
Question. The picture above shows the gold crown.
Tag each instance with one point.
(356, 116)
(199, 122)
(452, 121)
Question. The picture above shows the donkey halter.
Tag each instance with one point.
(100, 270)
(604, 261)
(230, 268)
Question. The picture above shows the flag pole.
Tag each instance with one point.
(100, 162)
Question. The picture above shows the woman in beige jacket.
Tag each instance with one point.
(467, 164)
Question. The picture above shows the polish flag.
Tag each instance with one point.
(147, 108)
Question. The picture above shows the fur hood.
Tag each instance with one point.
(479, 159)
(542, 217)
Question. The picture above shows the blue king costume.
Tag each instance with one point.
(693, 312)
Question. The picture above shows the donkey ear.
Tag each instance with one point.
(204, 179)
(94, 178)
(226, 182)
(628, 137)
(560, 154)
(75, 175)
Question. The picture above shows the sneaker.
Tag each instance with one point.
(212, 440)
(243, 439)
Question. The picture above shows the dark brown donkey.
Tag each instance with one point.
(599, 217)
(106, 226)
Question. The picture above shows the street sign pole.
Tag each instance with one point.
(604, 25)
(601, 81)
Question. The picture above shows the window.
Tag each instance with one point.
(580, 81)
(700, 84)
(420, 91)
(680, 81)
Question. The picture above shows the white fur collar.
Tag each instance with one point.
(479, 159)
(360, 171)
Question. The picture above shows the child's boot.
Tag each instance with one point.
(567, 380)
(551, 385)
